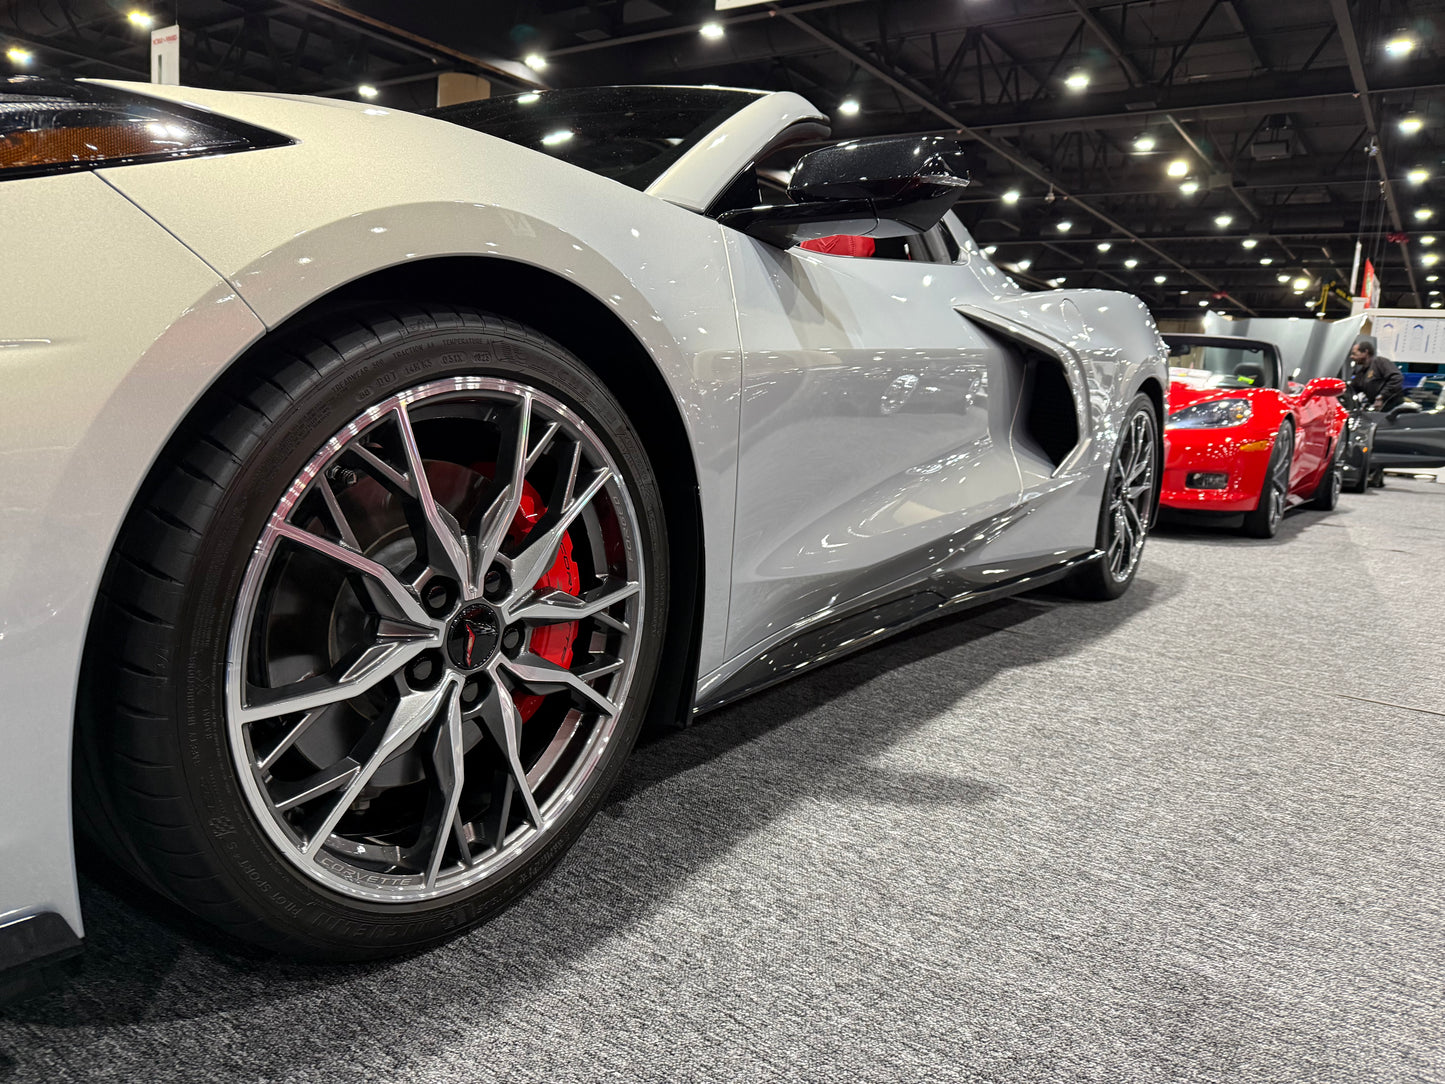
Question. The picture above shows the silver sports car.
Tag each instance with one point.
(371, 479)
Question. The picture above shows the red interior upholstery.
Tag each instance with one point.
(840, 244)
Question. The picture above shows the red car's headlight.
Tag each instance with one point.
(52, 125)
(1215, 414)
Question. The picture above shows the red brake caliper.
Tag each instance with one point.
(551, 642)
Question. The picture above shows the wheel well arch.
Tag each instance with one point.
(1151, 388)
(568, 314)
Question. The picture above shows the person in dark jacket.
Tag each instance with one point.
(1375, 377)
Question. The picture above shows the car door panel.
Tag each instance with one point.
(874, 432)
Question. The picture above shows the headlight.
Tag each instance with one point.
(51, 125)
(1215, 414)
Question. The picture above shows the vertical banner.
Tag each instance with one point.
(1370, 288)
(166, 55)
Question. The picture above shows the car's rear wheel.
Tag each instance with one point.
(1361, 481)
(1128, 503)
(377, 635)
(1264, 521)
(1327, 493)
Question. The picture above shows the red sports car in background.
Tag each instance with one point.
(1241, 440)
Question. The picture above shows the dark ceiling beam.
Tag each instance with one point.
(1207, 155)
(691, 28)
(332, 12)
(1246, 33)
(1183, 50)
(1107, 39)
(1357, 71)
(906, 87)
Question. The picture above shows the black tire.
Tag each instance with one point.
(1377, 478)
(1110, 575)
(1361, 481)
(160, 770)
(1264, 521)
(1327, 493)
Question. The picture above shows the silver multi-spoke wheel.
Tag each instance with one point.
(1130, 495)
(433, 639)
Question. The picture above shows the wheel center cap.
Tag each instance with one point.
(473, 635)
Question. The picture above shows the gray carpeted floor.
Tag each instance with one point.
(1197, 834)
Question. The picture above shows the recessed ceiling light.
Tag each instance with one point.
(1418, 176)
(711, 31)
(1204, 304)
(366, 90)
(1430, 259)
(536, 61)
(1434, 304)
(551, 139)
(1434, 293)
(1411, 124)
(528, 98)
(1011, 196)
(1249, 242)
(1104, 246)
(1223, 221)
(1159, 279)
(1283, 278)
(849, 107)
(1178, 168)
(1065, 226)
(1423, 214)
(1131, 263)
(1024, 265)
(1144, 144)
(1265, 261)
(1428, 239)
(1432, 278)
(141, 19)
(18, 55)
(990, 250)
(1077, 80)
(1300, 285)
(1400, 45)
(1189, 187)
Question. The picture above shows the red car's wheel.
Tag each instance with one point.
(1327, 493)
(1264, 521)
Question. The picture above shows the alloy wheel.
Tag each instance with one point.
(434, 639)
(1131, 487)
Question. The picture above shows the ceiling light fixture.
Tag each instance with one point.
(1411, 124)
(1024, 265)
(1265, 261)
(551, 139)
(1011, 196)
(1131, 263)
(1300, 285)
(1418, 176)
(1402, 44)
(849, 107)
(1428, 239)
(1283, 278)
(18, 55)
(1249, 242)
(536, 61)
(1223, 221)
(1204, 304)
(1159, 279)
(1189, 187)
(712, 31)
(143, 19)
(1077, 80)
(1430, 259)
(1144, 144)
(1065, 226)
(1104, 246)
(367, 91)
(1178, 168)
(1423, 214)
(990, 250)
